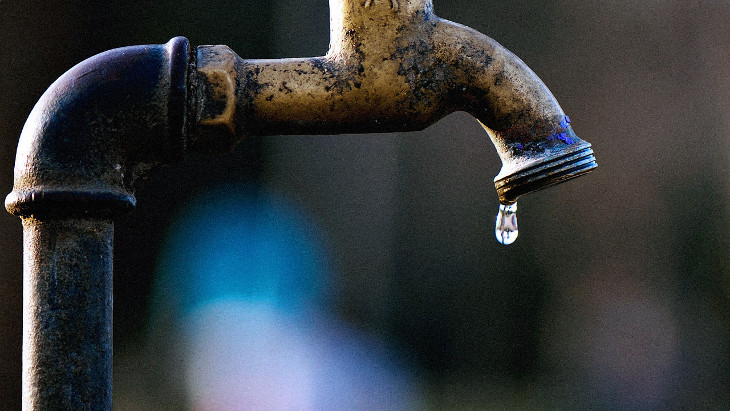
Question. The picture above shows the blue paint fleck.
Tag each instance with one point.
(564, 137)
(519, 146)
(565, 123)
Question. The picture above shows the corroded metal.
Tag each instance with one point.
(392, 66)
(98, 128)
(67, 314)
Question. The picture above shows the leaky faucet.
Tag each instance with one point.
(393, 65)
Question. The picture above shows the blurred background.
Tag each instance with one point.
(361, 271)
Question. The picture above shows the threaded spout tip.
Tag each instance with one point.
(551, 171)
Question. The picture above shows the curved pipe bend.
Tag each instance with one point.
(98, 128)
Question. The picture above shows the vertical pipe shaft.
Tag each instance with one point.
(67, 314)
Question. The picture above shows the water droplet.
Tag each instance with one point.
(506, 228)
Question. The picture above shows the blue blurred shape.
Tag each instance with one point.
(236, 242)
(243, 276)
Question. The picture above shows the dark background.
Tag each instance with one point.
(615, 294)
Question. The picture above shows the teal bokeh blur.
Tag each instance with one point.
(242, 286)
(237, 243)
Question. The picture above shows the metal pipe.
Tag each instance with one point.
(392, 66)
(67, 314)
(98, 128)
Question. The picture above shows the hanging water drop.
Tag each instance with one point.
(506, 227)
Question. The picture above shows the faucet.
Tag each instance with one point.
(395, 66)
(392, 65)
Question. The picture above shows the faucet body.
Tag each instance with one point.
(392, 66)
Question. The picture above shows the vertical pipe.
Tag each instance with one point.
(67, 314)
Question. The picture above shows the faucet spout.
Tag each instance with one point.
(533, 136)
(394, 66)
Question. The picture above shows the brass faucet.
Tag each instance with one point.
(392, 66)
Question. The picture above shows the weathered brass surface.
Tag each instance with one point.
(392, 66)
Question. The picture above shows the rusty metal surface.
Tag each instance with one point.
(67, 314)
(392, 66)
(98, 128)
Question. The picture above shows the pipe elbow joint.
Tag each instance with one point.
(100, 127)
